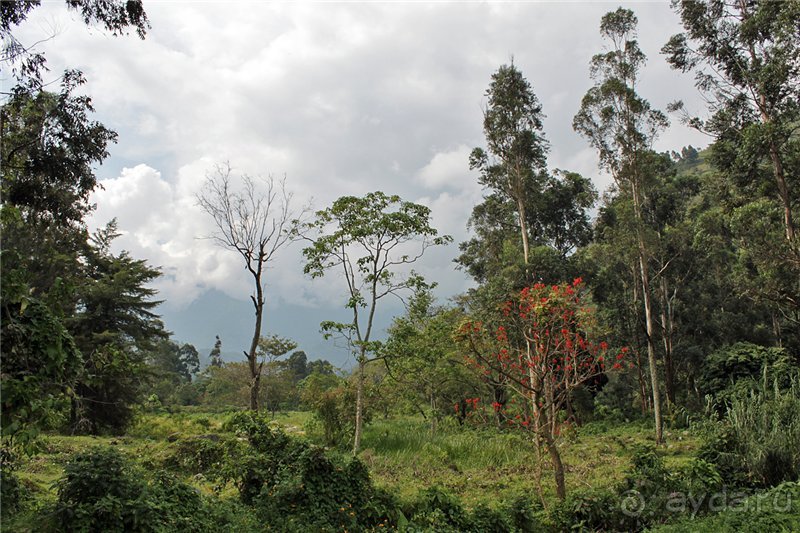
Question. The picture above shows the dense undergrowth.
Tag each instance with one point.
(222, 472)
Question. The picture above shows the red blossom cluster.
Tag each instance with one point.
(543, 344)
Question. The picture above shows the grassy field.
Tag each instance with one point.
(479, 466)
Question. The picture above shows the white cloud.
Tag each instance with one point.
(449, 170)
(341, 98)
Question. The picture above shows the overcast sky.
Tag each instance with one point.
(340, 98)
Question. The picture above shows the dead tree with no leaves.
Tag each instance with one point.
(255, 220)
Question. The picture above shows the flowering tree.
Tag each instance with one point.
(542, 343)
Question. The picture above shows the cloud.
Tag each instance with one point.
(449, 170)
(340, 98)
(160, 222)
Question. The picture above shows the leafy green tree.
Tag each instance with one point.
(297, 364)
(49, 147)
(424, 362)
(40, 363)
(548, 210)
(270, 349)
(26, 64)
(752, 86)
(173, 366)
(744, 55)
(215, 357)
(320, 366)
(255, 222)
(115, 327)
(516, 147)
(369, 239)
(622, 126)
(227, 385)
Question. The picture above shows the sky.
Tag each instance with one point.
(338, 99)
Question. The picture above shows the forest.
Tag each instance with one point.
(626, 360)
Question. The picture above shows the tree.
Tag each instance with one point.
(744, 55)
(423, 361)
(26, 64)
(271, 348)
(297, 364)
(215, 357)
(369, 239)
(179, 361)
(40, 363)
(622, 127)
(255, 222)
(544, 343)
(49, 148)
(115, 327)
(516, 147)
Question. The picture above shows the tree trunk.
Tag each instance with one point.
(523, 227)
(255, 368)
(254, 388)
(558, 466)
(433, 413)
(359, 405)
(783, 190)
(666, 328)
(644, 271)
(642, 385)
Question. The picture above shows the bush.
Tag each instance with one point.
(775, 510)
(10, 490)
(523, 513)
(102, 491)
(201, 454)
(296, 486)
(757, 442)
(437, 510)
(593, 510)
(745, 362)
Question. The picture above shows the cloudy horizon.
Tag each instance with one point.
(341, 99)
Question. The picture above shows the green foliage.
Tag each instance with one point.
(425, 368)
(40, 364)
(102, 490)
(774, 510)
(108, 391)
(296, 485)
(10, 489)
(747, 362)
(547, 210)
(591, 510)
(437, 510)
(757, 441)
(201, 454)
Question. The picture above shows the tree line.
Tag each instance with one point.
(693, 258)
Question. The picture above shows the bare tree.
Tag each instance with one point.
(256, 220)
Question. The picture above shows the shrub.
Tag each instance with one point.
(757, 441)
(201, 454)
(435, 508)
(10, 491)
(484, 519)
(296, 486)
(775, 510)
(102, 491)
(748, 363)
(592, 510)
(523, 513)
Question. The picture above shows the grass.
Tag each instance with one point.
(480, 466)
(484, 466)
